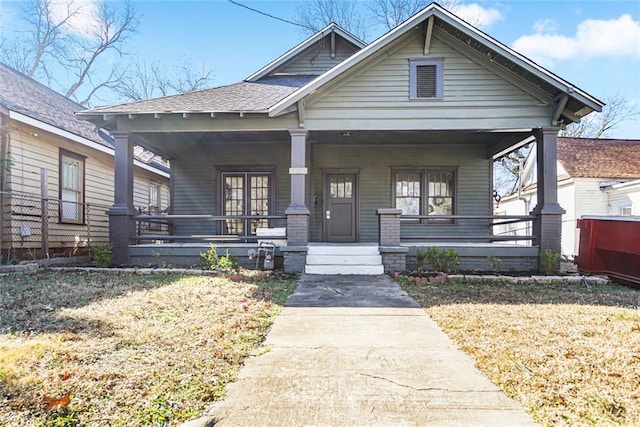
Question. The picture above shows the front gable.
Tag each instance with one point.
(376, 94)
(314, 56)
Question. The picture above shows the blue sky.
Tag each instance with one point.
(593, 44)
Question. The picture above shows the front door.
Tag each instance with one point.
(340, 202)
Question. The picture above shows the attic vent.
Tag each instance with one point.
(425, 79)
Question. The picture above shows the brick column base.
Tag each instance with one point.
(297, 226)
(121, 230)
(295, 258)
(389, 227)
(549, 230)
(394, 259)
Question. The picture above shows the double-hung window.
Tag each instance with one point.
(425, 191)
(71, 185)
(246, 193)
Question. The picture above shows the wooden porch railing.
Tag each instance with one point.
(491, 222)
(170, 219)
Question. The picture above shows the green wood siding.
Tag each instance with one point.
(195, 179)
(317, 58)
(374, 163)
(376, 94)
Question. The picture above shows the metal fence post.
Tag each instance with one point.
(88, 217)
(44, 212)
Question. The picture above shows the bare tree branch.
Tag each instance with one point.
(391, 13)
(598, 125)
(110, 33)
(316, 14)
(144, 81)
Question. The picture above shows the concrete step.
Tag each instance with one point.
(343, 250)
(345, 269)
(344, 259)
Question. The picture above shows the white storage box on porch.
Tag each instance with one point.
(275, 236)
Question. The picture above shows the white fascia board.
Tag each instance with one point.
(301, 47)
(76, 138)
(621, 185)
(434, 9)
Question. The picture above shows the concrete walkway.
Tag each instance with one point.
(356, 351)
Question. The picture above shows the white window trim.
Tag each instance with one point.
(413, 88)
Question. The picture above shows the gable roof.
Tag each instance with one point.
(26, 96)
(43, 107)
(251, 97)
(600, 158)
(580, 102)
(295, 51)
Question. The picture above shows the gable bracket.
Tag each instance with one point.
(333, 45)
(559, 108)
(428, 33)
(301, 113)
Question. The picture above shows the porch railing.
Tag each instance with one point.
(168, 222)
(500, 228)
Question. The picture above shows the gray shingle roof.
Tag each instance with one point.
(24, 95)
(244, 96)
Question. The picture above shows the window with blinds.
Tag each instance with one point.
(425, 79)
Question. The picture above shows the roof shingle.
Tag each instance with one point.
(24, 95)
(244, 96)
(600, 158)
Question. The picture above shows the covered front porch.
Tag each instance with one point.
(339, 187)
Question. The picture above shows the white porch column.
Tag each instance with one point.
(297, 212)
(121, 226)
(548, 226)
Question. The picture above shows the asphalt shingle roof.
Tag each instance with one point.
(244, 96)
(600, 158)
(24, 95)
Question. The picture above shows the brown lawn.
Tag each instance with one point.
(111, 349)
(568, 353)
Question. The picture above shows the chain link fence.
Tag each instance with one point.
(33, 227)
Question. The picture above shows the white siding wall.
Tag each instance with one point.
(30, 154)
(317, 59)
(376, 94)
(624, 197)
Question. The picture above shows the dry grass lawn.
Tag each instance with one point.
(569, 354)
(110, 349)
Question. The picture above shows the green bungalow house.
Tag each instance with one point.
(358, 154)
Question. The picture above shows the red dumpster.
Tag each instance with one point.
(610, 245)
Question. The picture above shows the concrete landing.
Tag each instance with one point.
(355, 351)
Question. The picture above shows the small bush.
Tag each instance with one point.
(228, 262)
(549, 262)
(211, 258)
(446, 261)
(101, 254)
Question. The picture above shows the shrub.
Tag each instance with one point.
(101, 254)
(211, 258)
(446, 261)
(549, 261)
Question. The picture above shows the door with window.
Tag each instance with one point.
(340, 216)
(245, 193)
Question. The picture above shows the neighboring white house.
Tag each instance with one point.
(595, 177)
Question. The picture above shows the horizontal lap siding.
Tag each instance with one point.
(374, 163)
(317, 59)
(29, 154)
(195, 179)
(377, 96)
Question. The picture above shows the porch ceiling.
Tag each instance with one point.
(171, 145)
